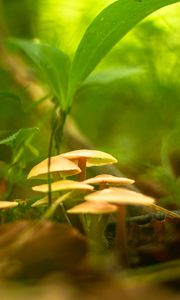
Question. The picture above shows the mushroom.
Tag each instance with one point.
(94, 225)
(5, 205)
(120, 197)
(89, 158)
(42, 201)
(93, 208)
(8, 204)
(57, 164)
(105, 179)
(63, 185)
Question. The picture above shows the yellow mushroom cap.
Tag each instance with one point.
(42, 201)
(63, 185)
(57, 164)
(106, 178)
(8, 204)
(94, 158)
(120, 196)
(93, 208)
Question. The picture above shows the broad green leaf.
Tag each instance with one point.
(53, 64)
(104, 32)
(19, 137)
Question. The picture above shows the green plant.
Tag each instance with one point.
(125, 107)
(64, 77)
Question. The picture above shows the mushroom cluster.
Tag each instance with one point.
(111, 196)
(68, 164)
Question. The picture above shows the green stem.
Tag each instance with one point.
(82, 218)
(59, 130)
(54, 206)
(65, 214)
(53, 136)
(98, 254)
(96, 230)
(49, 164)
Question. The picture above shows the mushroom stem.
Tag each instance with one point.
(95, 231)
(102, 185)
(121, 236)
(82, 166)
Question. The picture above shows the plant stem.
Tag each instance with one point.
(55, 128)
(165, 211)
(82, 218)
(59, 129)
(65, 214)
(54, 206)
(96, 230)
(49, 166)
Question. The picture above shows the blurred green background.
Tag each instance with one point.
(129, 107)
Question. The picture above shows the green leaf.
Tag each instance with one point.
(20, 137)
(9, 104)
(8, 100)
(8, 94)
(112, 74)
(104, 32)
(53, 63)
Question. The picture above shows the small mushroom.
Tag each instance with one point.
(105, 179)
(57, 164)
(94, 225)
(120, 197)
(8, 204)
(42, 201)
(89, 158)
(63, 185)
(4, 206)
(93, 208)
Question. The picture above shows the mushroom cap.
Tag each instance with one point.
(42, 201)
(93, 208)
(120, 196)
(63, 185)
(58, 164)
(8, 204)
(107, 178)
(94, 158)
